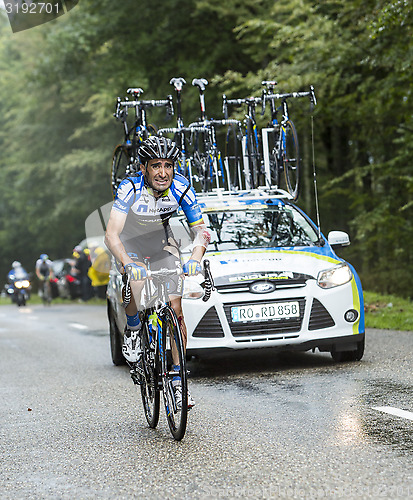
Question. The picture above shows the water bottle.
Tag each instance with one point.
(152, 324)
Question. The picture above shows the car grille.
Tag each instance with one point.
(245, 287)
(265, 327)
(319, 317)
(209, 326)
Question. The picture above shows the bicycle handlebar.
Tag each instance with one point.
(310, 94)
(245, 100)
(120, 113)
(202, 125)
(254, 101)
(174, 130)
(208, 284)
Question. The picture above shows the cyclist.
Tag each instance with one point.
(44, 271)
(138, 228)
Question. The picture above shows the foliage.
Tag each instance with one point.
(59, 82)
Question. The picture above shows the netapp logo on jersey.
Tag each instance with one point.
(26, 14)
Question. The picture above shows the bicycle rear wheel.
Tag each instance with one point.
(176, 414)
(291, 159)
(121, 166)
(149, 379)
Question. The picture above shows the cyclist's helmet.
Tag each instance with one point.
(15, 264)
(44, 257)
(158, 147)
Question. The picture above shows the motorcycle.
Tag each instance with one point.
(19, 291)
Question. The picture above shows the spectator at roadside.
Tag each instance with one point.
(82, 267)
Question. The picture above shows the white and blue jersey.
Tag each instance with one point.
(147, 216)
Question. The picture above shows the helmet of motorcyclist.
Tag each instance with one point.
(44, 257)
(16, 264)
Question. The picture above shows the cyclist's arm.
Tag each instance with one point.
(201, 240)
(112, 240)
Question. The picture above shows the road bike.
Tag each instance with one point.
(211, 167)
(45, 289)
(250, 141)
(179, 131)
(161, 342)
(125, 159)
(207, 158)
(280, 141)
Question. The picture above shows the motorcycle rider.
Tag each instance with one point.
(17, 272)
(20, 292)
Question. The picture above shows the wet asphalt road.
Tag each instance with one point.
(266, 425)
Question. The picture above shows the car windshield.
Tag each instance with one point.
(279, 226)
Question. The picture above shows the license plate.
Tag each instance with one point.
(263, 312)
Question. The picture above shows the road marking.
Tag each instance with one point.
(395, 411)
(79, 326)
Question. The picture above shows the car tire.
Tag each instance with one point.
(343, 356)
(115, 339)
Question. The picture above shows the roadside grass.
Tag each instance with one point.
(387, 312)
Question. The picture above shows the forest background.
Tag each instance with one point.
(60, 80)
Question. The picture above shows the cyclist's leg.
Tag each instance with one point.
(176, 304)
(131, 347)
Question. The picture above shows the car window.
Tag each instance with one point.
(278, 227)
(281, 226)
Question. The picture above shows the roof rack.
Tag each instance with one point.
(261, 191)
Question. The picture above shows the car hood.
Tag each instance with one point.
(248, 265)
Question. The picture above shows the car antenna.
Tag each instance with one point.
(315, 179)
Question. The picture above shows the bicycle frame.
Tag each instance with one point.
(207, 129)
(249, 124)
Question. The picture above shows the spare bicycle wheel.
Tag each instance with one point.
(291, 159)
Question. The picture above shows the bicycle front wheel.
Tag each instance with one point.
(253, 155)
(232, 157)
(174, 383)
(291, 159)
(149, 379)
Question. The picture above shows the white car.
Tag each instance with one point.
(278, 281)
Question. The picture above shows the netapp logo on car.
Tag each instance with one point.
(262, 276)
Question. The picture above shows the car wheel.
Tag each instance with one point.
(115, 339)
(343, 356)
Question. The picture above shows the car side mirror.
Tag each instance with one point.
(338, 239)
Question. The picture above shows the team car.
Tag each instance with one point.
(278, 281)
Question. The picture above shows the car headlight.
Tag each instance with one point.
(336, 276)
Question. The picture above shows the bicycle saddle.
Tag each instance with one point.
(200, 82)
